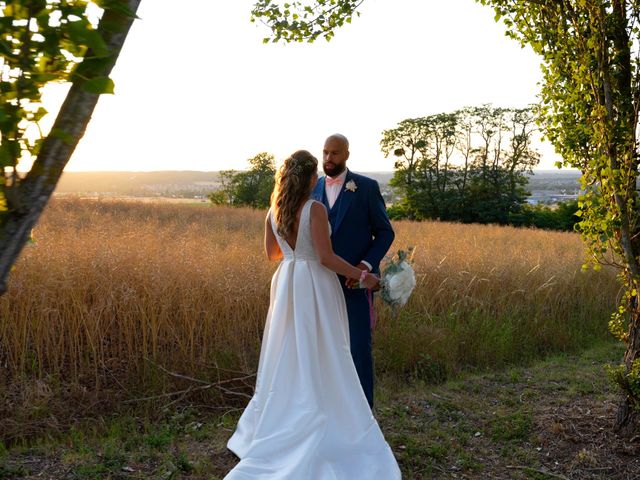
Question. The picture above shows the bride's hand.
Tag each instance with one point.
(354, 282)
(371, 281)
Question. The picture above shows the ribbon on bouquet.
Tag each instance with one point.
(372, 312)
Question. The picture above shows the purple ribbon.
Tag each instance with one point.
(372, 313)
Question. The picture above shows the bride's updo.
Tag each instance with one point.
(293, 186)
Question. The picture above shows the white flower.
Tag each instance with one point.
(351, 186)
(400, 284)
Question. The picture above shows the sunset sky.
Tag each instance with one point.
(196, 89)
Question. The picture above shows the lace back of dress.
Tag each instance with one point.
(304, 244)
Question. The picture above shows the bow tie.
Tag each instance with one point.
(333, 181)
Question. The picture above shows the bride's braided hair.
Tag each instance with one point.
(293, 184)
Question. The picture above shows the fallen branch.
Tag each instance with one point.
(197, 380)
(165, 395)
(204, 385)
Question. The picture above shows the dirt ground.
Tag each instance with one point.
(551, 420)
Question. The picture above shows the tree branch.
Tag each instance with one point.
(72, 120)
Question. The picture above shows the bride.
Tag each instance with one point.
(309, 418)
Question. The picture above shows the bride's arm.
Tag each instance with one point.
(270, 243)
(324, 250)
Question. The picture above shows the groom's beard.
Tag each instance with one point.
(335, 171)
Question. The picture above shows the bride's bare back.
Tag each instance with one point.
(321, 239)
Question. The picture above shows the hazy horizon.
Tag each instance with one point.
(559, 170)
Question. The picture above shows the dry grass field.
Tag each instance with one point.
(111, 293)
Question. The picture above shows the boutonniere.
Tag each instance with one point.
(351, 186)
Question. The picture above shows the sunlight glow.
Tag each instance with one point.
(207, 94)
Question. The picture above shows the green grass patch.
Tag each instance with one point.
(511, 426)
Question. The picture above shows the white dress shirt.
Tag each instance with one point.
(333, 191)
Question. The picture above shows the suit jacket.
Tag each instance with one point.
(360, 227)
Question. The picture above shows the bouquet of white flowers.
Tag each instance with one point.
(398, 279)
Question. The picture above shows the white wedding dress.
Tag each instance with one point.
(309, 418)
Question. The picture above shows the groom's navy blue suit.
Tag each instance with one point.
(360, 230)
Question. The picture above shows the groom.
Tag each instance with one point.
(361, 234)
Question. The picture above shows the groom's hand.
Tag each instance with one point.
(352, 283)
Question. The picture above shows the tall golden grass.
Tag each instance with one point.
(491, 295)
(111, 288)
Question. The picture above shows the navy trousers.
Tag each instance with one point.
(360, 338)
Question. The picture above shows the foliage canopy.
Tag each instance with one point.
(469, 165)
(251, 188)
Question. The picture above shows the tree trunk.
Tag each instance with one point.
(628, 416)
(35, 190)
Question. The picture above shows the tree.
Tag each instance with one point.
(297, 21)
(590, 52)
(42, 42)
(425, 175)
(590, 100)
(406, 143)
(251, 188)
(436, 172)
(468, 165)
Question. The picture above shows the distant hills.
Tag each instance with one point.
(164, 183)
(545, 185)
(138, 183)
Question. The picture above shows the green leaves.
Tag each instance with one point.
(116, 6)
(99, 85)
(6, 157)
(82, 34)
(298, 21)
(44, 41)
(590, 99)
(628, 379)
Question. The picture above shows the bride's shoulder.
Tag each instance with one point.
(316, 204)
(318, 209)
